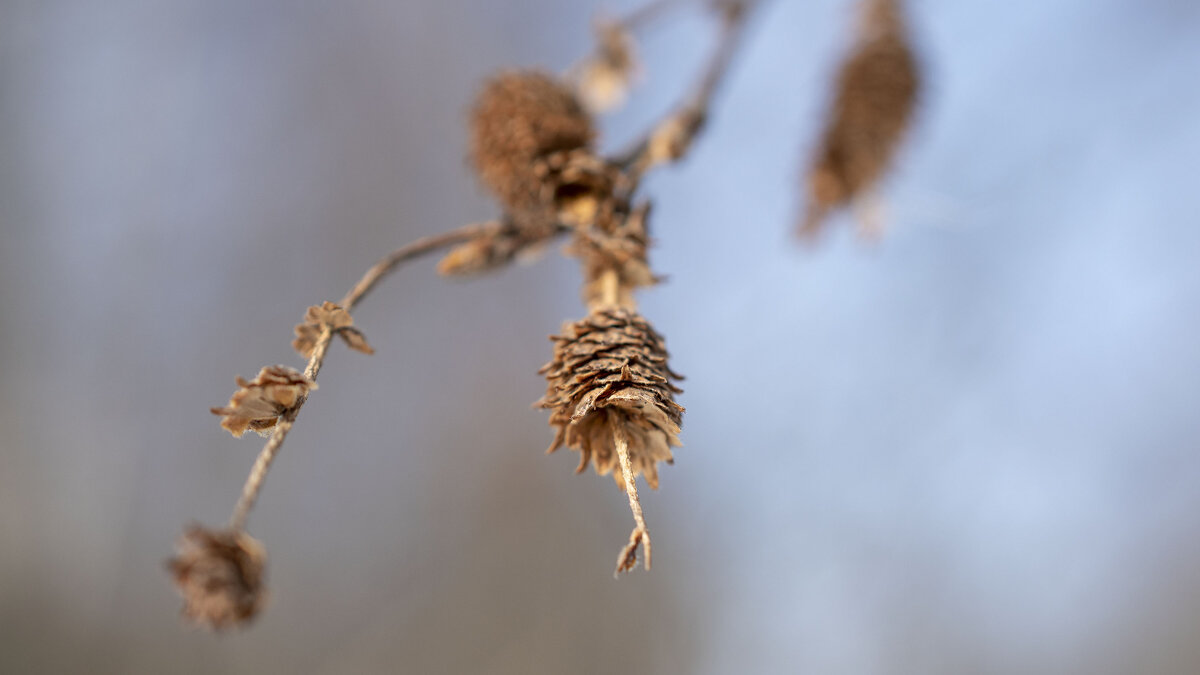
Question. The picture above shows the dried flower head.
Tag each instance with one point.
(220, 574)
(257, 404)
(876, 94)
(605, 77)
(518, 118)
(609, 375)
(339, 322)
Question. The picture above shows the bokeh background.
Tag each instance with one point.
(970, 447)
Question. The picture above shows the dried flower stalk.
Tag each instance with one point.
(610, 394)
(873, 106)
(609, 386)
(209, 610)
(610, 390)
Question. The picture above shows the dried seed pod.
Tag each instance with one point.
(873, 105)
(221, 575)
(257, 404)
(338, 320)
(518, 118)
(610, 372)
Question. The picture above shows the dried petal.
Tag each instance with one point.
(220, 574)
(355, 340)
(307, 335)
(329, 314)
(257, 404)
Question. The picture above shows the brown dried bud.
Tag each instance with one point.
(605, 77)
(220, 574)
(340, 323)
(610, 369)
(519, 118)
(257, 404)
(876, 94)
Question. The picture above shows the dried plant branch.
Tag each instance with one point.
(262, 463)
(671, 138)
(369, 280)
(416, 249)
(609, 388)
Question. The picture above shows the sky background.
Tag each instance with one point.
(970, 446)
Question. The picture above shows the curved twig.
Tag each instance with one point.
(372, 277)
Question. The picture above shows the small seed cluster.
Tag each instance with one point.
(610, 392)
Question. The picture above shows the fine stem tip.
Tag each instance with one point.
(627, 560)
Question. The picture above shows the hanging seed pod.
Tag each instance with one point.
(873, 105)
(519, 118)
(220, 574)
(610, 371)
(526, 127)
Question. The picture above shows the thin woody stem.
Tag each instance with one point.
(258, 474)
(416, 249)
(609, 283)
(671, 138)
(627, 560)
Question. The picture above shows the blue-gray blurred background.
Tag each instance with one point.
(969, 447)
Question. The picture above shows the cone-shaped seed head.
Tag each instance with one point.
(876, 93)
(611, 369)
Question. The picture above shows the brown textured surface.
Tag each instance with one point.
(876, 92)
(518, 118)
(220, 575)
(258, 403)
(338, 320)
(525, 126)
(611, 369)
